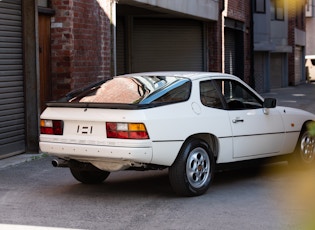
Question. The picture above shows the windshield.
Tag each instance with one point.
(136, 90)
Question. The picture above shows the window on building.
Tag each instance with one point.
(260, 6)
(43, 3)
(277, 9)
(309, 8)
(300, 15)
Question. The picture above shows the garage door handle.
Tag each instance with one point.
(236, 120)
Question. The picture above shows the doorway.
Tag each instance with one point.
(44, 59)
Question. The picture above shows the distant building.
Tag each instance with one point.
(279, 43)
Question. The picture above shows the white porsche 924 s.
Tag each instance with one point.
(188, 122)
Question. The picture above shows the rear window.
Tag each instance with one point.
(136, 90)
(311, 58)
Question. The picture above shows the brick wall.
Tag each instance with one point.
(80, 46)
(214, 46)
(215, 42)
(237, 9)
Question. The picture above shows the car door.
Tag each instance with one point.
(255, 132)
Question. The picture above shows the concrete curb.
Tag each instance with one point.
(19, 159)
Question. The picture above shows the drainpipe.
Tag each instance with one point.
(223, 7)
(252, 61)
(222, 36)
(113, 37)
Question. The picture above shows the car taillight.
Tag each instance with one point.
(53, 127)
(126, 130)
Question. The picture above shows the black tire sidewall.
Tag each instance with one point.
(296, 160)
(177, 172)
(89, 176)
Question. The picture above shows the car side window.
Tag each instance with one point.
(178, 94)
(209, 95)
(237, 96)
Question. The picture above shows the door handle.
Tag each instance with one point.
(236, 120)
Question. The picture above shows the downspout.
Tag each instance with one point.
(113, 39)
(222, 37)
(252, 61)
(223, 7)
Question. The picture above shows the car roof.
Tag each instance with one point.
(310, 57)
(193, 75)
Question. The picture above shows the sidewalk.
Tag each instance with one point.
(301, 96)
(18, 159)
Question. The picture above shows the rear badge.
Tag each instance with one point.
(84, 129)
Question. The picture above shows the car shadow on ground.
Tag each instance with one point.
(155, 183)
(131, 183)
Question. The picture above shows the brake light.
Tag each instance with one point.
(126, 130)
(53, 127)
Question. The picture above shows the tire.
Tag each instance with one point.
(87, 173)
(192, 172)
(304, 155)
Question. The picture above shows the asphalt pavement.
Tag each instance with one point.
(301, 96)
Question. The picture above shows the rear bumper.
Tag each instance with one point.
(92, 153)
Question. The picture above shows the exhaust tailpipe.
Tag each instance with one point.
(60, 163)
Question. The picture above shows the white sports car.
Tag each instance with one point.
(189, 122)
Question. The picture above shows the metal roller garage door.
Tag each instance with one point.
(234, 52)
(234, 47)
(12, 124)
(298, 62)
(167, 44)
(277, 70)
(229, 54)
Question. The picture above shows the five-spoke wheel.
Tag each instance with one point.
(304, 154)
(192, 172)
(307, 148)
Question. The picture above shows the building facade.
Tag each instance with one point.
(143, 35)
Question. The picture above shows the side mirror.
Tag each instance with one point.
(270, 103)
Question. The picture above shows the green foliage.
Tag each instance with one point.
(311, 128)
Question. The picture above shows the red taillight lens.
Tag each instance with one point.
(126, 130)
(53, 127)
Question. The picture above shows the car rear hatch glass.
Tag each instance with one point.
(129, 92)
